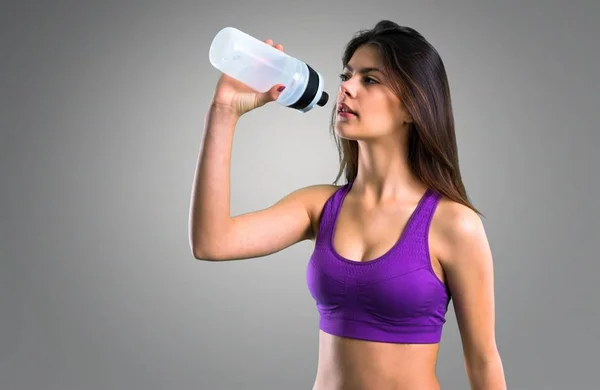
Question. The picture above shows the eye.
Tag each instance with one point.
(344, 77)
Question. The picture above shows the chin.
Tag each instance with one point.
(354, 133)
(347, 132)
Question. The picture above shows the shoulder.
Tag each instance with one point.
(314, 198)
(316, 195)
(455, 219)
(455, 228)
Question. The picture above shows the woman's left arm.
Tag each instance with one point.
(468, 266)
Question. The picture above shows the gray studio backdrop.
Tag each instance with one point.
(101, 114)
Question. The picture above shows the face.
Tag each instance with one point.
(367, 92)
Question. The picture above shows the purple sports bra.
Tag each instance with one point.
(394, 298)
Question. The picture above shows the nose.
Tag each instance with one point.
(346, 88)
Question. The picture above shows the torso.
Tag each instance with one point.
(351, 364)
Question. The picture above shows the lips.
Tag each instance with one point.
(344, 109)
(344, 114)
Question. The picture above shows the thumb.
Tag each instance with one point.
(273, 93)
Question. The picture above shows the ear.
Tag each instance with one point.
(407, 117)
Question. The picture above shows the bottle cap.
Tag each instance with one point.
(323, 100)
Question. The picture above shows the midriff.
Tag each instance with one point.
(352, 364)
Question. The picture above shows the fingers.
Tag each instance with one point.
(278, 46)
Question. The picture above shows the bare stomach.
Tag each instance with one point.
(350, 364)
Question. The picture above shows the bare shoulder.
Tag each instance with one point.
(315, 197)
(454, 224)
(452, 217)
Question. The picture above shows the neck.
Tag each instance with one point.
(383, 172)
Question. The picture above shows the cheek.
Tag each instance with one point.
(382, 117)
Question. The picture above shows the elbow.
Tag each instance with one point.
(202, 256)
(207, 245)
(206, 240)
(486, 373)
(201, 251)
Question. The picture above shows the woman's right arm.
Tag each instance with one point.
(213, 233)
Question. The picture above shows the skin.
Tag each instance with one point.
(384, 193)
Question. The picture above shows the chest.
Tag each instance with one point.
(365, 235)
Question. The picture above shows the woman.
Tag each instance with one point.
(394, 245)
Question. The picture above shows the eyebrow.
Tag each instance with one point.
(364, 70)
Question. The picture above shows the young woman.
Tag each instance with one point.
(394, 244)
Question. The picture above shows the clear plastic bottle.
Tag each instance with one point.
(260, 66)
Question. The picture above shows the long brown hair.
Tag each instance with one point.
(420, 81)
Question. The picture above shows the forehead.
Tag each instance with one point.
(365, 57)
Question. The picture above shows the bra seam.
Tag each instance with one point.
(393, 277)
(376, 322)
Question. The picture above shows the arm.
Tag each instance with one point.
(210, 201)
(468, 265)
(216, 236)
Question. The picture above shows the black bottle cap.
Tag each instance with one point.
(323, 100)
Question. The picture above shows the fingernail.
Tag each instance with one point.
(281, 88)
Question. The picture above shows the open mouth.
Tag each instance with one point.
(346, 114)
(345, 111)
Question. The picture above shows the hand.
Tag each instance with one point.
(239, 97)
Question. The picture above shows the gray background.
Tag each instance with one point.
(102, 108)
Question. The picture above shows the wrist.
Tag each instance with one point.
(224, 110)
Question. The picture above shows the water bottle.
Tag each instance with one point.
(260, 66)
